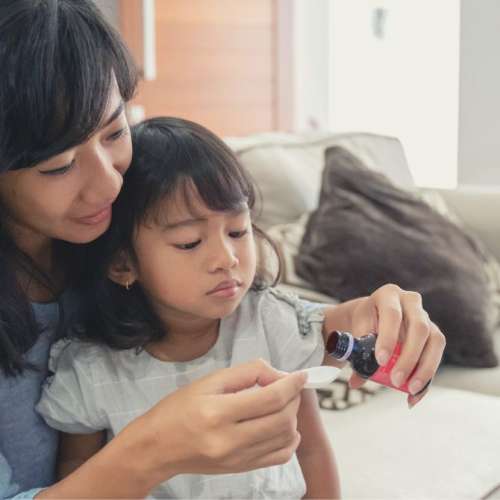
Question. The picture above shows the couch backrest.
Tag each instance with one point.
(287, 168)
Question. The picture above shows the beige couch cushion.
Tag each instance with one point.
(287, 168)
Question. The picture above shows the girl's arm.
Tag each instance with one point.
(210, 426)
(314, 453)
(76, 449)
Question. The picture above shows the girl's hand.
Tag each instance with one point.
(215, 426)
(398, 315)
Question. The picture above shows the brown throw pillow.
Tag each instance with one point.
(366, 232)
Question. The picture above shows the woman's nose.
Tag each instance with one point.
(104, 179)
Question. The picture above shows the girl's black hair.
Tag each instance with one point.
(169, 154)
(58, 61)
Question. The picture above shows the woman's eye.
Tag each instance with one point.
(116, 135)
(238, 234)
(58, 171)
(188, 246)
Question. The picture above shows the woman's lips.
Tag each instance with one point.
(96, 218)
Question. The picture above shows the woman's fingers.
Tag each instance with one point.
(237, 446)
(417, 327)
(261, 429)
(279, 456)
(355, 382)
(260, 401)
(399, 316)
(389, 310)
(240, 377)
(428, 363)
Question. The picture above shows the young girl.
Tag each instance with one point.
(176, 293)
(185, 296)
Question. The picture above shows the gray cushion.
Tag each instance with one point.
(366, 232)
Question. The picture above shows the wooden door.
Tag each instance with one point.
(216, 62)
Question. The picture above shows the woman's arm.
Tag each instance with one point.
(314, 453)
(206, 427)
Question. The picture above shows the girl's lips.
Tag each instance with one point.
(226, 288)
(96, 218)
(225, 293)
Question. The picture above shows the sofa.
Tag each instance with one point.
(448, 446)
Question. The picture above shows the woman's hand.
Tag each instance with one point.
(215, 426)
(396, 315)
(210, 426)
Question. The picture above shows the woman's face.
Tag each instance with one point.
(69, 196)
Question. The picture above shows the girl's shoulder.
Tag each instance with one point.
(288, 329)
(273, 306)
(72, 353)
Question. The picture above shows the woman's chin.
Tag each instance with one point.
(85, 233)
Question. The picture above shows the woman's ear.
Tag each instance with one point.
(122, 271)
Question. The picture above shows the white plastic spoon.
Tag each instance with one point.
(319, 376)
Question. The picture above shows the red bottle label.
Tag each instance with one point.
(383, 374)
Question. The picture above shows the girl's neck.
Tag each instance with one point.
(185, 342)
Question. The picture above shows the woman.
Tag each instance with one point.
(64, 146)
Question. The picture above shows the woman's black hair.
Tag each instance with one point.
(170, 155)
(58, 62)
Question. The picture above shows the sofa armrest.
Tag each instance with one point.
(478, 208)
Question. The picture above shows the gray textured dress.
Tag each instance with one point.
(97, 388)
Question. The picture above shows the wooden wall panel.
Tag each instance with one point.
(216, 62)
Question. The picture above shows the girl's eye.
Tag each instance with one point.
(118, 134)
(58, 171)
(188, 246)
(238, 234)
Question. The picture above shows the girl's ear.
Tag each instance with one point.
(122, 271)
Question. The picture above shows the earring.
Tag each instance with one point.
(127, 286)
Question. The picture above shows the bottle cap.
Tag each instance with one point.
(340, 345)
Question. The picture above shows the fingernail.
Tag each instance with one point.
(398, 378)
(415, 386)
(383, 357)
(411, 404)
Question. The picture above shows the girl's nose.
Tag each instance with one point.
(224, 257)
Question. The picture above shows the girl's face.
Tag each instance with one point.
(195, 266)
(69, 196)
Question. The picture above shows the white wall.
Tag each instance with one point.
(399, 76)
(311, 54)
(479, 131)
